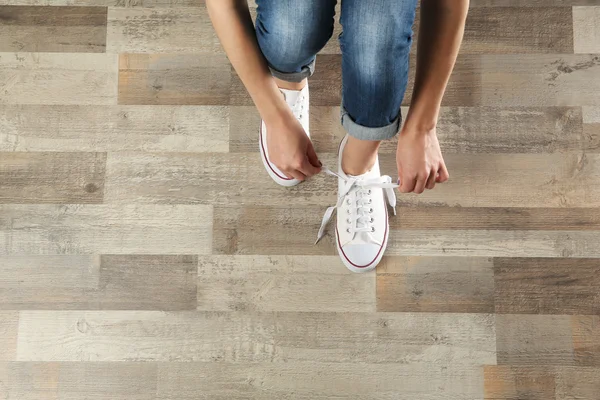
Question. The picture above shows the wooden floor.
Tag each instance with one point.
(146, 254)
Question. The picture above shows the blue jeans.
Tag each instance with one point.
(375, 45)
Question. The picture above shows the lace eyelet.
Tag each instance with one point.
(369, 192)
(372, 219)
(373, 229)
(370, 201)
(348, 202)
(348, 211)
(348, 230)
(349, 221)
(370, 210)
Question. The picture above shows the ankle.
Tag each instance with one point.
(290, 85)
(359, 156)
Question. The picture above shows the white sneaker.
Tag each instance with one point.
(298, 100)
(362, 227)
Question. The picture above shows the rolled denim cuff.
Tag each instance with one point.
(367, 133)
(304, 73)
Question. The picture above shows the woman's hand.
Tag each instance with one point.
(420, 161)
(291, 150)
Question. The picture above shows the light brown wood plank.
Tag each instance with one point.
(52, 78)
(552, 180)
(161, 30)
(445, 339)
(115, 282)
(73, 381)
(586, 31)
(282, 283)
(506, 382)
(42, 29)
(547, 286)
(435, 284)
(177, 79)
(91, 229)
(591, 123)
(35, 177)
(460, 130)
(114, 128)
(317, 381)
(540, 382)
(9, 323)
(586, 339)
(534, 340)
(113, 3)
(530, 3)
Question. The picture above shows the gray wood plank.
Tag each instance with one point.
(56, 177)
(460, 130)
(42, 29)
(585, 29)
(435, 284)
(161, 30)
(58, 78)
(282, 283)
(177, 79)
(74, 229)
(552, 180)
(534, 340)
(547, 286)
(456, 339)
(316, 380)
(76, 381)
(114, 128)
(9, 323)
(115, 282)
(577, 383)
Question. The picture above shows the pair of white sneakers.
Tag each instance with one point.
(362, 227)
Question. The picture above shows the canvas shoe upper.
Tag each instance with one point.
(362, 227)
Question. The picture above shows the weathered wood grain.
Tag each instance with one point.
(55, 177)
(77, 229)
(513, 30)
(9, 323)
(577, 383)
(489, 218)
(507, 382)
(315, 380)
(204, 178)
(435, 284)
(586, 31)
(282, 283)
(56, 29)
(586, 339)
(547, 286)
(552, 180)
(534, 340)
(460, 130)
(177, 79)
(58, 78)
(115, 282)
(114, 128)
(529, 3)
(72, 381)
(457, 339)
(161, 30)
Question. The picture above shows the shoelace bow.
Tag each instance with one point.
(362, 216)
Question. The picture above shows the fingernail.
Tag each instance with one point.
(320, 164)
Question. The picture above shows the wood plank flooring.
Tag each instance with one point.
(145, 254)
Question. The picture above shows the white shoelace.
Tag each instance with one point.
(355, 192)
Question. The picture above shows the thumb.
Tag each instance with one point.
(312, 156)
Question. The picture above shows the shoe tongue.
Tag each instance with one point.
(291, 96)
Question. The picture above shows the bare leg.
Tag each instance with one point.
(359, 155)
